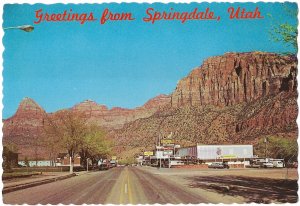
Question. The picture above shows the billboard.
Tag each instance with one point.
(167, 141)
(148, 153)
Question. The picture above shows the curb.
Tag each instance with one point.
(33, 184)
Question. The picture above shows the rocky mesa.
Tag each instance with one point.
(236, 78)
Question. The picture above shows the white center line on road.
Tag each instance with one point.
(125, 188)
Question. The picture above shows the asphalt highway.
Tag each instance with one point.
(121, 185)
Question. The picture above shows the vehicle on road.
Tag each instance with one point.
(253, 166)
(278, 164)
(113, 163)
(218, 165)
(104, 165)
(267, 165)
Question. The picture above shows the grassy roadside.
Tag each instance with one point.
(12, 175)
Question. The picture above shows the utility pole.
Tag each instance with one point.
(266, 142)
(159, 157)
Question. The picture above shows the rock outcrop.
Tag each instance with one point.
(236, 78)
(116, 117)
(25, 127)
(29, 117)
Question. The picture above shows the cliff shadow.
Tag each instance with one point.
(253, 189)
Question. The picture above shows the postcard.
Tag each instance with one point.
(145, 103)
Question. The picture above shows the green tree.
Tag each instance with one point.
(69, 127)
(70, 130)
(95, 144)
(10, 157)
(286, 32)
(278, 147)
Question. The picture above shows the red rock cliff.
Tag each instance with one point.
(25, 127)
(236, 78)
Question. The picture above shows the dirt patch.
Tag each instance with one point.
(237, 185)
(253, 189)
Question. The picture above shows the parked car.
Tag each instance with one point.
(268, 165)
(218, 165)
(278, 164)
(104, 165)
(253, 166)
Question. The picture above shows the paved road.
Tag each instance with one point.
(122, 185)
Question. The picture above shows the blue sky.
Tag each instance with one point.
(119, 63)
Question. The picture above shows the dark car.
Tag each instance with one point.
(104, 165)
(218, 165)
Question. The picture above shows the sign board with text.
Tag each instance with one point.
(148, 153)
(167, 141)
(228, 156)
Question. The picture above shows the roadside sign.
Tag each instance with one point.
(159, 154)
(148, 153)
(228, 156)
(168, 152)
(167, 141)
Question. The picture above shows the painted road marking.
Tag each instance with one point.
(125, 188)
(129, 191)
(121, 192)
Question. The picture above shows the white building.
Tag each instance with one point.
(213, 152)
(39, 163)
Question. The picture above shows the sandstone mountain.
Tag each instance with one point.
(233, 98)
(116, 117)
(236, 78)
(24, 128)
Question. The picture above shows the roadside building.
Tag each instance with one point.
(63, 159)
(38, 163)
(213, 152)
(235, 155)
